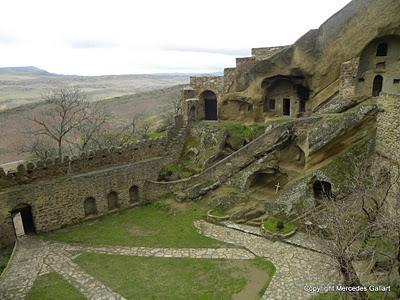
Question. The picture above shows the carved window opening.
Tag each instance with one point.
(382, 49)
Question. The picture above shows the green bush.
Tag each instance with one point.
(275, 225)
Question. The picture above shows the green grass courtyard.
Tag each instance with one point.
(165, 224)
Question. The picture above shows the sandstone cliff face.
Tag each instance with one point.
(319, 54)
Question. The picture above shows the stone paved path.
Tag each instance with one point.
(213, 253)
(299, 239)
(34, 257)
(295, 267)
(23, 269)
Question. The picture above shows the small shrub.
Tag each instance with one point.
(280, 225)
(275, 225)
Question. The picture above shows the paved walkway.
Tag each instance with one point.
(296, 266)
(35, 257)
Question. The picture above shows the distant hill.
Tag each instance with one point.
(14, 122)
(24, 70)
(26, 85)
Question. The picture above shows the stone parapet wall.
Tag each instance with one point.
(93, 160)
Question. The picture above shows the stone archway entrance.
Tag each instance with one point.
(210, 105)
(23, 220)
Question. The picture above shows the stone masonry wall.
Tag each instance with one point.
(348, 79)
(212, 83)
(59, 202)
(266, 52)
(92, 160)
(388, 127)
(56, 190)
(245, 63)
(229, 78)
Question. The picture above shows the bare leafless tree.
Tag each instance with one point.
(90, 131)
(67, 110)
(350, 225)
(171, 110)
(340, 235)
(40, 148)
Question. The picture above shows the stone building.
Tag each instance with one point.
(354, 54)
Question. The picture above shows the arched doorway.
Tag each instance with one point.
(90, 207)
(112, 200)
(23, 220)
(377, 85)
(134, 194)
(210, 105)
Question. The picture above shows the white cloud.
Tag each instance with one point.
(116, 36)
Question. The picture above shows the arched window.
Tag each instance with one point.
(382, 49)
(377, 85)
(89, 206)
(112, 200)
(134, 194)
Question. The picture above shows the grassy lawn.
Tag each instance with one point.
(155, 225)
(179, 278)
(51, 287)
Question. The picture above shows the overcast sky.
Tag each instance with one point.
(97, 37)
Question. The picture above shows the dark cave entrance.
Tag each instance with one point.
(286, 107)
(23, 220)
(268, 180)
(322, 190)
